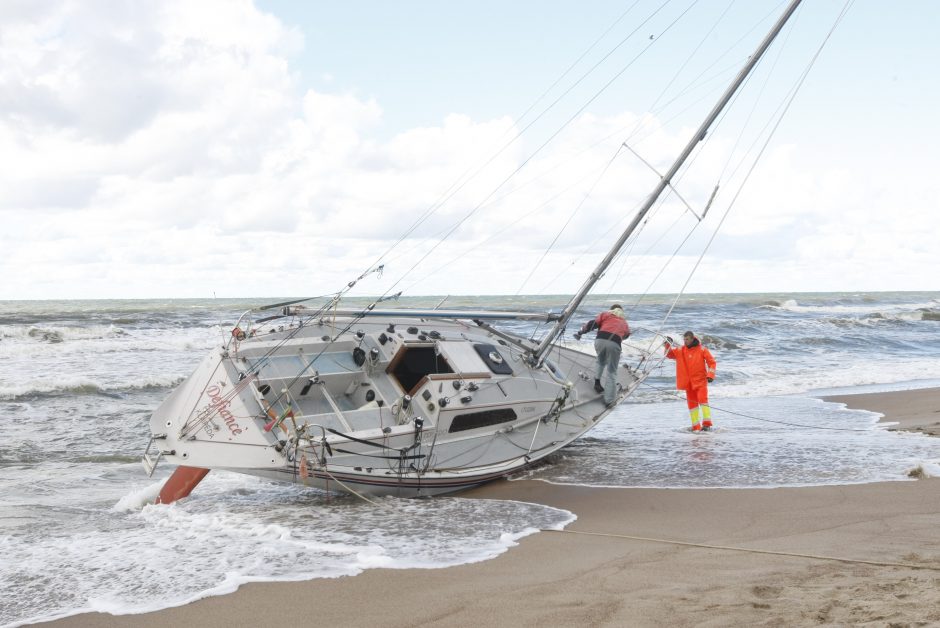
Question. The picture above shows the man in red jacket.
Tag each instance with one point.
(612, 329)
(695, 368)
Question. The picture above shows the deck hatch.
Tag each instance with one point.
(493, 358)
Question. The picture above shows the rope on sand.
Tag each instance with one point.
(751, 550)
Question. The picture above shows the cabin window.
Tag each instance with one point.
(473, 420)
(412, 364)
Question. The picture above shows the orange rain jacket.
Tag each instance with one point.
(694, 365)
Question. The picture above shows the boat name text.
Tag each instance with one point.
(221, 406)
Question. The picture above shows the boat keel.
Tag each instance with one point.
(180, 484)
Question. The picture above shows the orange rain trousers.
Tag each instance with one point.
(696, 397)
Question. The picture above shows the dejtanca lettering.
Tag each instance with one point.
(221, 406)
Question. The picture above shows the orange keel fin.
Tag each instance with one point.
(180, 484)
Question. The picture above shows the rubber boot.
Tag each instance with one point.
(706, 417)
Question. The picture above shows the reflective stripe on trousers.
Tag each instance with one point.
(697, 399)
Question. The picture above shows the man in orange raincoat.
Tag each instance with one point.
(695, 368)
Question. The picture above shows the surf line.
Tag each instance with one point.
(676, 394)
(750, 550)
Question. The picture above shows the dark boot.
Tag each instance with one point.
(597, 386)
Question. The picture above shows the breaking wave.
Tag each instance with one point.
(33, 342)
(927, 314)
(792, 305)
(55, 334)
(719, 343)
(33, 389)
(108, 458)
(851, 316)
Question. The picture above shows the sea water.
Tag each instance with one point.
(78, 381)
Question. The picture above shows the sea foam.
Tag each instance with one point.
(238, 529)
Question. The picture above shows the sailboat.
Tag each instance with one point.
(404, 402)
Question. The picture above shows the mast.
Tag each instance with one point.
(699, 135)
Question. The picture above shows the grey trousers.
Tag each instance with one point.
(608, 358)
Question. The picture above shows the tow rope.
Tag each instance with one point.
(731, 548)
(678, 395)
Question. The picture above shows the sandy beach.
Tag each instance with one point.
(591, 575)
(913, 411)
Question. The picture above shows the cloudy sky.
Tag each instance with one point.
(272, 148)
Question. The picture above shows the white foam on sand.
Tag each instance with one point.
(237, 529)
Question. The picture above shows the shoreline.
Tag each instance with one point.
(565, 578)
(916, 410)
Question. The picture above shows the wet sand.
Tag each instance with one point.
(573, 579)
(913, 411)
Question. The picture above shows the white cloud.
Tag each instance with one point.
(168, 149)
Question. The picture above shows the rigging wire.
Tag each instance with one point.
(498, 233)
(638, 127)
(677, 395)
(724, 169)
(571, 216)
(554, 135)
(788, 102)
(355, 319)
(262, 360)
(580, 58)
(639, 124)
(659, 203)
(664, 266)
(679, 179)
(670, 190)
(433, 208)
(446, 195)
(692, 86)
(790, 28)
(452, 191)
(594, 97)
(757, 158)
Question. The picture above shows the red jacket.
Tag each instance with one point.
(608, 326)
(694, 365)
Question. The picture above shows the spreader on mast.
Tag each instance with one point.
(665, 182)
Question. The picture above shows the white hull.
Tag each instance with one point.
(477, 411)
